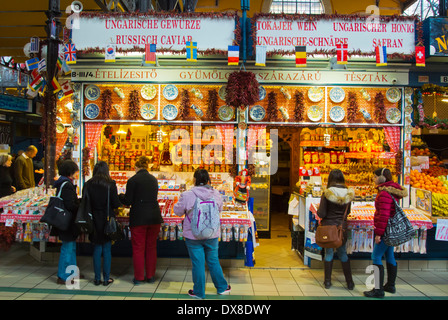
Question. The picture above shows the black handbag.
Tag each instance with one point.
(113, 229)
(56, 214)
(399, 229)
(84, 217)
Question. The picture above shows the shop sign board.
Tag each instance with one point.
(436, 35)
(322, 35)
(264, 76)
(169, 33)
(15, 103)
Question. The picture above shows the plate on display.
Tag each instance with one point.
(92, 92)
(222, 92)
(337, 114)
(257, 113)
(170, 92)
(315, 113)
(408, 110)
(315, 94)
(92, 111)
(393, 115)
(169, 112)
(393, 95)
(76, 106)
(76, 124)
(148, 111)
(337, 94)
(148, 91)
(261, 93)
(225, 113)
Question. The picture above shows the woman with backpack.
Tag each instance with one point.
(384, 210)
(201, 236)
(101, 190)
(145, 219)
(334, 208)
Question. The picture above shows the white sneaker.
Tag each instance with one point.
(227, 291)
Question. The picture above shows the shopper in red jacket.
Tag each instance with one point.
(384, 210)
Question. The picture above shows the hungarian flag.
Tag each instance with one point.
(260, 56)
(420, 56)
(192, 51)
(70, 53)
(36, 83)
(233, 53)
(381, 56)
(300, 56)
(32, 64)
(342, 53)
(55, 85)
(150, 53)
(66, 89)
(109, 55)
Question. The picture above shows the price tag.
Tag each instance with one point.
(9, 222)
(442, 230)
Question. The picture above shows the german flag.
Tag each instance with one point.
(300, 56)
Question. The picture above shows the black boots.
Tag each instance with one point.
(391, 276)
(377, 293)
(328, 267)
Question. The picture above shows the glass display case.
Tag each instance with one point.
(260, 191)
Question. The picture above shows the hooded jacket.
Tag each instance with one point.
(186, 203)
(333, 204)
(384, 205)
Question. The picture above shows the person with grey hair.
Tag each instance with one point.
(6, 187)
(24, 169)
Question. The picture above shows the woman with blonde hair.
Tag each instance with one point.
(6, 187)
(145, 219)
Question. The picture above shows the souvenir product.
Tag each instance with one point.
(257, 113)
(408, 110)
(337, 94)
(365, 114)
(393, 95)
(148, 111)
(169, 112)
(197, 110)
(76, 124)
(119, 92)
(92, 111)
(76, 106)
(315, 113)
(284, 113)
(119, 111)
(60, 127)
(225, 113)
(337, 114)
(92, 92)
(170, 92)
(261, 93)
(222, 93)
(393, 115)
(148, 92)
(315, 94)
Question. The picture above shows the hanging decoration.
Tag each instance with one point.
(134, 105)
(185, 105)
(299, 108)
(352, 109)
(106, 103)
(380, 109)
(242, 89)
(86, 161)
(272, 109)
(212, 103)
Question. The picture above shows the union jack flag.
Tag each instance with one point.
(70, 53)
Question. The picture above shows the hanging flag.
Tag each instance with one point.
(342, 53)
(65, 68)
(19, 78)
(59, 63)
(34, 48)
(36, 83)
(43, 87)
(381, 56)
(192, 51)
(300, 56)
(32, 64)
(110, 53)
(150, 53)
(70, 53)
(66, 89)
(260, 56)
(233, 55)
(420, 56)
(42, 66)
(55, 85)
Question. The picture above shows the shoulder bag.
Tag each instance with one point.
(113, 228)
(331, 236)
(56, 214)
(84, 217)
(399, 229)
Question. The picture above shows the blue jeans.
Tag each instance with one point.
(342, 253)
(67, 258)
(104, 250)
(380, 250)
(202, 251)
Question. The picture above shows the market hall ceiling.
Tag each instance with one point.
(20, 20)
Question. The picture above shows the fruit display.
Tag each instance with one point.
(439, 204)
(436, 171)
(425, 181)
(417, 142)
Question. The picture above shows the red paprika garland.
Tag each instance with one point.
(134, 105)
(86, 161)
(272, 110)
(106, 103)
(242, 89)
(380, 109)
(212, 102)
(299, 108)
(352, 109)
(185, 105)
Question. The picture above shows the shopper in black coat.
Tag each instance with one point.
(6, 187)
(98, 188)
(144, 220)
(68, 173)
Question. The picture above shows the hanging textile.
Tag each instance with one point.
(93, 133)
(392, 135)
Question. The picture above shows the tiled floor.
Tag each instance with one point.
(279, 274)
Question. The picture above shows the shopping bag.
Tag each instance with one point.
(55, 214)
